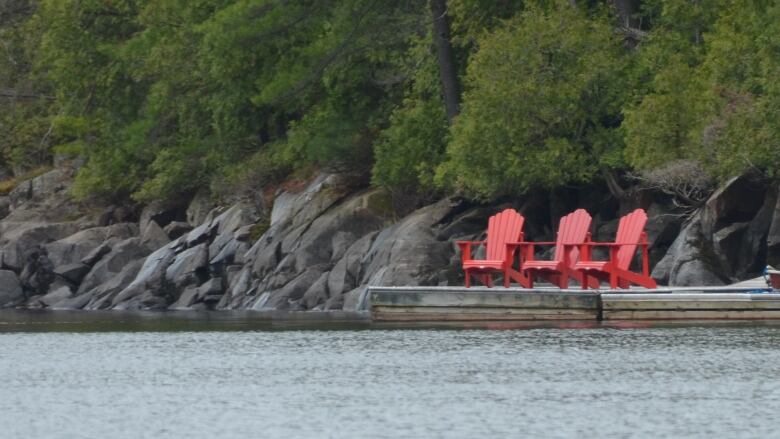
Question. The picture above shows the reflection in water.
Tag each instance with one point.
(233, 375)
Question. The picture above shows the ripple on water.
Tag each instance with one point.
(656, 382)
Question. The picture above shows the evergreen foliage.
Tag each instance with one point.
(165, 97)
(542, 104)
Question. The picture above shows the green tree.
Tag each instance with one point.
(408, 151)
(542, 105)
(712, 95)
(26, 106)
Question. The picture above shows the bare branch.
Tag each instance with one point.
(685, 181)
(10, 94)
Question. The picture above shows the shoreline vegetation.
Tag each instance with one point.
(262, 154)
(166, 98)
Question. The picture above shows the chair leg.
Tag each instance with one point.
(584, 280)
(489, 281)
(468, 279)
(563, 282)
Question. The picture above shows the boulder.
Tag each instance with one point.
(148, 301)
(303, 207)
(78, 246)
(56, 295)
(163, 212)
(244, 233)
(18, 238)
(292, 291)
(75, 302)
(116, 215)
(153, 236)
(187, 298)
(176, 229)
(690, 260)
(237, 216)
(5, 206)
(227, 255)
(114, 262)
(408, 252)
(470, 223)
(189, 266)
(741, 247)
(98, 252)
(192, 295)
(345, 275)
(39, 187)
(663, 226)
(199, 208)
(334, 303)
(317, 293)
(150, 277)
(695, 272)
(265, 257)
(10, 288)
(354, 300)
(224, 246)
(773, 235)
(329, 236)
(202, 233)
(737, 200)
(238, 286)
(73, 273)
(38, 272)
(103, 296)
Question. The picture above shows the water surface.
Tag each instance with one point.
(247, 378)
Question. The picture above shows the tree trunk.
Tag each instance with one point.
(625, 10)
(447, 71)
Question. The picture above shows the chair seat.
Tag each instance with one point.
(541, 265)
(591, 265)
(482, 264)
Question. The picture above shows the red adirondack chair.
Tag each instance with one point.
(616, 271)
(572, 231)
(503, 227)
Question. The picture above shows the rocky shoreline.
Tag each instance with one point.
(319, 247)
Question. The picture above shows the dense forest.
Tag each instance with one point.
(482, 98)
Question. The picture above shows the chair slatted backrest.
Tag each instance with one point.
(503, 227)
(573, 229)
(629, 232)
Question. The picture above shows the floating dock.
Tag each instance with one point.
(436, 304)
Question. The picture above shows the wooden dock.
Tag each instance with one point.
(697, 306)
(433, 304)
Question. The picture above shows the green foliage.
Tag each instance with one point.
(711, 97)
(472, 18)
(166, 97)
(409, 149)
(181, 91)
(542, 104)
(25, 107)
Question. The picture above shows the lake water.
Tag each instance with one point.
(125, 376)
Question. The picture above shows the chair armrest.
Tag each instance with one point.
(585, 254)
(526, 243)
(527, 248)
(604, 244)
(465, 248)
(464, 243)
